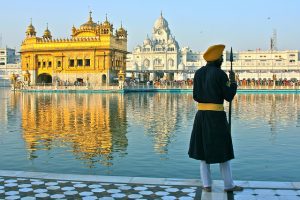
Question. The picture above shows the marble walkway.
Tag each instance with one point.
(35, 185)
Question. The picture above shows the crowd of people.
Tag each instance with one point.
(189, 82)
(268, 82)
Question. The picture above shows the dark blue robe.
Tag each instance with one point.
(210, 139)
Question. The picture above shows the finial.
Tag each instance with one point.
(30, 20)
(121, 24)
(90, 15)
(161, 13)
(106, 17)
(47, 25)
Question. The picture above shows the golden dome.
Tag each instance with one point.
(90, 24)
(106, 22)
(47, 33)
(121, 32)
(121, 29)
(30, 30)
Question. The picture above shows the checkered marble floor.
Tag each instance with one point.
(252, 194)
(35, 185)
(26, 188)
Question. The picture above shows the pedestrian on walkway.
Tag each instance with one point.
(210, 138)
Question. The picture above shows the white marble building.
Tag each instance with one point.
(159, 57)
(264, 64)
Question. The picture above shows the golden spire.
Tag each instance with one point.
(122, 33)
(47, 33)
(30, 30)
(89, 24)
(106, 22)
(90, 18)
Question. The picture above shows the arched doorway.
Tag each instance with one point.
(44, 78)
(103, 79)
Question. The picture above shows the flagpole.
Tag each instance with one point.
(230, 103)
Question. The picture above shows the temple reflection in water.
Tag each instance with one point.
(160, 114)
(93, 127)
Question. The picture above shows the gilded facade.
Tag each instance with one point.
(93, 55)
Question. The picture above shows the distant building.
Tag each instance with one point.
(160, 57)
(9, 63)
(94, 54)
(264, 64)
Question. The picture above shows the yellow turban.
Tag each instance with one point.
(214, 52)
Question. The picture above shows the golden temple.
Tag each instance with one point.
(93, 55)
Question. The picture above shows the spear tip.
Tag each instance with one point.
(231, 55)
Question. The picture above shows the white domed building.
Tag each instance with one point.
(159, 57)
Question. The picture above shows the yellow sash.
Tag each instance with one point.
(210, 106)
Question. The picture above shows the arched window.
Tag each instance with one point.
(171, 62)
(157, 61)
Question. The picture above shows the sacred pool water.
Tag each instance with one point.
(144, 134)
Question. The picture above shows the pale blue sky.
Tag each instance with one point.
(242, 24)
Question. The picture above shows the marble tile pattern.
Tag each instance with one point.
(35, 185)
(27, 188)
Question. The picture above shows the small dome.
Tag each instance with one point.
(90, 24)
(147, 41)
(47, 33)
(106, 22)
(30, 30)
(137, 48)
(160, 22)
(121, 31)
(171, 40)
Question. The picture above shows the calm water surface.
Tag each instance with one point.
(143, 134)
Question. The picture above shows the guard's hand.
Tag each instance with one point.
(232, 77)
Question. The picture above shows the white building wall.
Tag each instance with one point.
(249, 64)
(8, 64)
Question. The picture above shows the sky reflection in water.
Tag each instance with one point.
(143, 134)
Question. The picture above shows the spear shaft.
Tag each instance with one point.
(230, 103)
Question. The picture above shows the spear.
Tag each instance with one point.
(230, 104)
